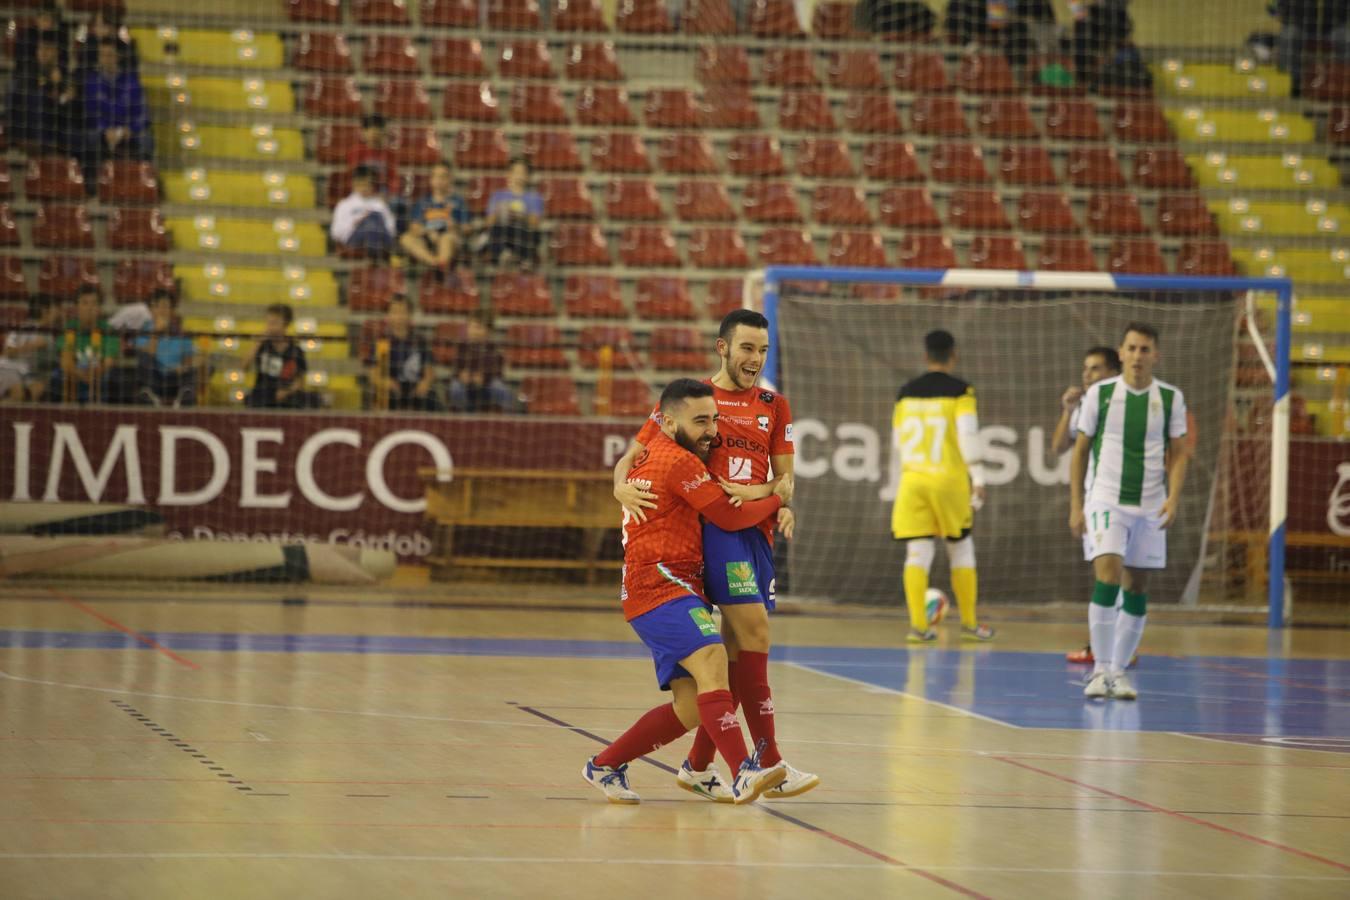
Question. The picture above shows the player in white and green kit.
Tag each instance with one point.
(1129, 438)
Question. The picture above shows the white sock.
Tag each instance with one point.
(1129, 630)
(1102, 628)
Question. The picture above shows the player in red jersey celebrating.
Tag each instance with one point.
(755, 438)
(663, 598)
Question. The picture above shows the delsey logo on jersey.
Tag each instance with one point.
(743, 444)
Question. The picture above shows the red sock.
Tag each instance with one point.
(717, 709)
(752, 677)
(701, 754)
(656, 728)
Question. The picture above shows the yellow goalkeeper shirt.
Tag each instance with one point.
(925, 425)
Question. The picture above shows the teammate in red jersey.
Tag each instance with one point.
(755, 440)
(663, 598)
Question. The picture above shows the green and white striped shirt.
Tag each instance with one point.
(1130, 431)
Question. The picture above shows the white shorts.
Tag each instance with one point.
(1088, 552)
(1128, 532)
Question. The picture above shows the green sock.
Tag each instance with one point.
(1104, 594)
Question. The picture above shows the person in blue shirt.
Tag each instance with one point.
(436, 225)
(513, 219)
(114, 111)
(165, 359)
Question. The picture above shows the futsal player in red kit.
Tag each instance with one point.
(663, 598)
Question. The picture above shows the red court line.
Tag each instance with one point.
(1278, 679)
(1224, 829)
(113, 623)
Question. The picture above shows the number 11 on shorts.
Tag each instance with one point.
(1106, 520)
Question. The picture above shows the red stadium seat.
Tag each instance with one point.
(770, 201)
(722, 64)
(824, 158)
(833, 21)
(325, 11)
(976, 210)
(442, 294)
(730, 106)
(789, 67)
(1205, 258)
(520, 294)
(1163, 168)
(514, 15)
(481, 148)
(388, 54)
(774, 18)
(1093, 167)
(679, 350)
(985, 73)
(603, 106)
(839, 204)
(53, 178)
(957, 164)
(939, 115)
(619, 151)
(9, 229)
(6, 186)
(1007, 118)
(633, 200)
(537, 104)
(415, 145)
(861, 249)
(449, 14)
(381, 12)
(703, 201)
(891, 161)
(718, 248)
(724, 295)
(332, 141)
(469, 101)
(1185, 215)
(664, 298)
(458, 58)
(398, 99)
(370, 289)
(1140, 123)
(648, 246)
(480, 191)
(643, 17)
(709, 17)
(578, 245)
(333, 97)
(593, 297)
(13, 285)
(579, 15)
(629, 398)
(63, 276)
(552, 151)
(60, 226)
(550, 396)
(908, 208)
(566, 198)
(1115, 214)
(1326, 80)
(533, 345)
(756, 155)
(787, 247)
(997, 252)
(1072, 120)
(593, 338)
(1136, 257)
(1026, 164)
(920, 71)
(672, 108)
(593, 62)
(687, 154)
(805, 111)
(872, 114)
(128, 181)
(855, 70)
(1338, 125)
(1045, 212)
(322, 52)
(525, 59)
(140, 278)
(926, 251)
(1066, 254)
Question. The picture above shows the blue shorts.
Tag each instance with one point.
(737, 566)
(673, 631)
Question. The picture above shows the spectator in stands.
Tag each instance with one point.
(115, 112)
(406, 376)
(44, 106)
(48, 22)
(477, 384)
(375, 154)
(280, 364)
(105, 25)
(30, 359)
(1101, 41)
(363, 220)
(1304, 21)
(91, 362)
(894, 17)
(168, 373)
(436, 225)
(513, 219)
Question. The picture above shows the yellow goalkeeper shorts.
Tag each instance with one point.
(929, 506)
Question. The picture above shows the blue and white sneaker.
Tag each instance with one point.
(753, 780)
(707, 784)
(613, 783)
(794, 784)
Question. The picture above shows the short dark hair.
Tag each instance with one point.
(87, 288)
(1108, 355)
(281, 311)
(748, 317)
(39, 304)
(401, 298)
(519, 161)
(682, 389)
(939, 345)
(363, 172)
(164, 294)
(1143, 328)
(372, 120)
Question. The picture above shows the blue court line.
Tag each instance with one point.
(1270, 696)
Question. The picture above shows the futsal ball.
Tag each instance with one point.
(936, 602)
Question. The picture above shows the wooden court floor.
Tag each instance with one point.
(219, 747)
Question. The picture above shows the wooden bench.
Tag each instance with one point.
(1257, 542)
(520, 498)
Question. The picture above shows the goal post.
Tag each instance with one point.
(1070, 307)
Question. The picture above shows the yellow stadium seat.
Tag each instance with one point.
(1322, 314)
(1303, 265)
(1292, 170)
(198, 92)
(1179, 79)
(185, 142)
(326, 349)
(344, 391)
(215, 187)
(239, 49)
(1194, 123)
(299, 286)
(1321, 352)
(261, 236)
(1308, 218)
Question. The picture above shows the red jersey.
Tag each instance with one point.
(753, 425)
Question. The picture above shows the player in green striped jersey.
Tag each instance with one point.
(1129, 437)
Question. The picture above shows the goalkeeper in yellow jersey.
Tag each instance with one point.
(937, 445)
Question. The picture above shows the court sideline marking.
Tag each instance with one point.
(113, 623)
(807, 667)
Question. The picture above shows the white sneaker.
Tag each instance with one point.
(707, 784)
(1122, 689)
(795, 783)
(1097, 686)
(753, 780)
(613, 783)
